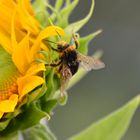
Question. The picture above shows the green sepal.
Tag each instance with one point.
(62, 100)
(58, 4)
(49, 83)
(48, 106)
(65, 13)
(38, 132)
(31, 116)
(11, 137)
(3, 124)
(52, 83)
(41, 13)
(36, 94)
(84, 42)
(76, 26)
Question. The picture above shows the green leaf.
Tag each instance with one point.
(112, 127)
(79, 24)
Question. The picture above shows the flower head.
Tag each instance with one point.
(29, 89)
(20, 40)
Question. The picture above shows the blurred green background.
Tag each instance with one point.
(101, 92)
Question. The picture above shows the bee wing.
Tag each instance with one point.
(65, 76)
(89, 63)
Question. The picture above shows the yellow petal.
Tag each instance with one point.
(5, 17)
(21, 56)
(5, 43)
(51, 31)
(28, 21)
(9, 105)
(1, 114)
(47, 32)
(5, 25)
(13, 35)
(27, 84)
(35, 69)
(44, 47)
(8, 3)
(29, 7)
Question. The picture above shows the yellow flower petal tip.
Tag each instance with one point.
(20, 55)
(1, 114)
(51, 31)
(35, 68)
(28, 83)
(9, 104)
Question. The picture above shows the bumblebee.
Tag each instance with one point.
(70, 60)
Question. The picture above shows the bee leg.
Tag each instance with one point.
(55, 64)
(55, 49)
(46, 43)
(76, 43)
(75, 37)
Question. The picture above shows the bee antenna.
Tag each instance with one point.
(58, 34)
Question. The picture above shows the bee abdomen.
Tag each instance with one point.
(73, 66)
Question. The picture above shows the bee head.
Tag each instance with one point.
(62, 45)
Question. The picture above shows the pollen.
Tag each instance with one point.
(6, 93)
(62, 43)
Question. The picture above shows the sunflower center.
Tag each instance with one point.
(8, 75)
(5, 94)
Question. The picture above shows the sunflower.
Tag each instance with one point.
(20, 41)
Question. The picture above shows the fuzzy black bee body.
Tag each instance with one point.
(70, 59)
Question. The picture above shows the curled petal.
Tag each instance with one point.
(29, 23)
(35, 69)
(28, 6)
(6, 10)
(1, 114)
(51, 31)
(27, 83)
(20, 55)
(9, 105)
(47, 32)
